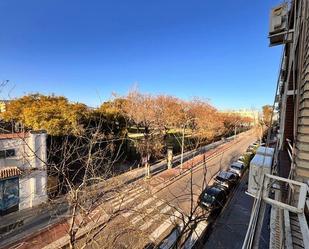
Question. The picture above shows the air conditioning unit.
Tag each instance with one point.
(279, 25)
(278, 19)
(265, 151)
(259, 165)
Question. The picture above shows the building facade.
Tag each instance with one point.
(23, 174)
(253, 114)
(293, 90)
(286, 190)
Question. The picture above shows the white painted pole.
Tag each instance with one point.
(182, 146)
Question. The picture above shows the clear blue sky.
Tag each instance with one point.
(85, 50)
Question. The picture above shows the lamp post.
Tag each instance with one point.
(182, 145)
(183, 141)
(235, 131)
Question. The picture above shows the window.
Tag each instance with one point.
(7, 153)
(10, 153)
(235, 167)
(9, 191)
(2, 153)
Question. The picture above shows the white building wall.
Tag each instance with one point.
(18, 146)
(36, 151)
(32, 189)
(30, 152)
(30, 157)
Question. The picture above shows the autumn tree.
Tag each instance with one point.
(207, 122)
(55, 114)
(169, 111)
(267, 114)
(143, 112)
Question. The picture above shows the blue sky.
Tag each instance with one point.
(85, 50)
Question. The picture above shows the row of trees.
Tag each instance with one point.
(153, 117)
(149, 113)
(83, 147)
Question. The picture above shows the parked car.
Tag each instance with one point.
(248, 154)
(236, 175)
(238, 168)
(257, 143)
(212, 198)
(251, 149)
(220, 186)
(227, 179)
(241, 159)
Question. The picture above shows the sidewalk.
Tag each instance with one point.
(18, 225)
(16, 220)
(38, 225)
(229, 229)
(168, 176)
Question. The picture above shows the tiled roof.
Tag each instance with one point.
(9, 172)
(14, 135)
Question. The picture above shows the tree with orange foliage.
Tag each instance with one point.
(55, 114)
(142, 110)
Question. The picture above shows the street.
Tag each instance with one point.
(143, 216)
(149, 220)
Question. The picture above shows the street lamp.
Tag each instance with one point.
(183, 141)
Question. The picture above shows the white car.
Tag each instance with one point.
(238, 168)
(241, 159)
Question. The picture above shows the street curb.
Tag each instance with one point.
(196, 167)
(193, 168)
(217, 152)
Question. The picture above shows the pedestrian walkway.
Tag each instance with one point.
(229, 229)
(29, 222)
(167, 176)
(154, 217)
(138, 205)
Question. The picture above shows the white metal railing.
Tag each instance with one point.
(270, 182)
(248, 242)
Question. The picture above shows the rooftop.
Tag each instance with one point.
(14, 135)
(9, 172)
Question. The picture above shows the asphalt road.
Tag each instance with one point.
(148, 218)
(39, 218)
(147, 226)
(179, 193)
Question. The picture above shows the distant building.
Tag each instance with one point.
(23, 174)
(255, 115)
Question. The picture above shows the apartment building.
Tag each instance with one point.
(285, 190)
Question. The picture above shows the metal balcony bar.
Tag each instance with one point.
(290, 149)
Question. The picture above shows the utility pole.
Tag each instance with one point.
(235, 133)
(182, 145)
(148, 170)
(261, 133)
